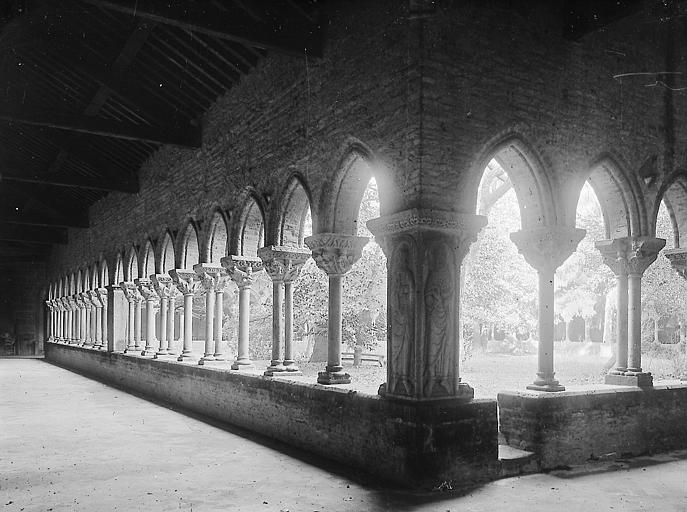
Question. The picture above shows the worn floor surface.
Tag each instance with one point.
(70, 443)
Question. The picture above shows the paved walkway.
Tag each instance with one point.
(70, 443)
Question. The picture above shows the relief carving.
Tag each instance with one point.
(402, 319)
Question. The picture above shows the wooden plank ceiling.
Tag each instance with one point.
(90, 88)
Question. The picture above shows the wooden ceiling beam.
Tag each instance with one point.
(82, 182)
(293, 36)
(34, 219)
(103, 127)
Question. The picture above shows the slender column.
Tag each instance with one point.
(219, 314)
(241, 269)
(81, 318)
(642, 252)
(72, 320)
(209, 275)
(283, 265)
(424, 250)
(545, 249)
(186, 281)
(138, 310)
(150, 296)
(102, 296)
(678, 260)
(129, 289)
(97, 319)
(335, 254)
(163, 285)
(57, 306)
(51, 316)
(173, 294)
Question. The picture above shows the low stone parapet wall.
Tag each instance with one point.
(573, 427)
(419, 445)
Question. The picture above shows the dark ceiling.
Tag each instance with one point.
(90, 88)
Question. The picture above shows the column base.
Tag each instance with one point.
(618, 370)
(292, 373)
(273, 369)
(148, 352)
(641, 380)
(244, 364)
(219, 357)
(551, 386)
(132, 351)
(207, 357)
(212, 362)
(186, 357)
(465, 394)
(328, 377)
(291, 366)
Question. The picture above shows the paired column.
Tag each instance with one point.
(104, 306)
(424, 250)
(210, 275)
(187, 283)
(283, 265)
(545, 249)
(165, 291)
(335, 254)
(150, 296)
(71, 320)
(130, 292)
(241, 270)
(97, 318)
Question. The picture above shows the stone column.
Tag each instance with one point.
(86, 325)
(163, 286)
(129, 289)
(642, 252)
(424, 250)
(70, 321)
(92, 317)
(51, 318)
(545, 249)
(117, 318)
(58, 307)
(219, 313)
(187, 283)
(209, 275)
(150, 296)
(81, 318)
(138, 310)
(283, 265)
(335, 254)
(102, 296)
(97, 319)
(241, 269)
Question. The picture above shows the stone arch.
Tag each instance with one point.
(104, 273)
(147, 259)
(189, 248)
(294, 205)
(674, 194)
(532, 182)
(616, 196)
(79, 281)
(119, 269)
(94, 277)
(340, 206)
(167, 254)
(217, 241)
(72, 284)
(249, 227)
(131, 267)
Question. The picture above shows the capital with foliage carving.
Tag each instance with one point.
(130, 290)
(163, 285)
(71, 303)
(146, 289)
(547, 247)
(210, 275)
(102, 296)
(335, 253)
(678, 260)
(283, 264)
(642, 252)
(242, 268)
(614, 254)
(94, 296)
(185, 280)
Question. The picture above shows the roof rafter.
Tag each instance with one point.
(33, 234)
(83, 182)
(292, 38)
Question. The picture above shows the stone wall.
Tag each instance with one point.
(574, 427)
(416, 445)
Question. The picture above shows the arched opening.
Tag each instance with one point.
(95, 277)
(131, 270)
(218, 238)
(251, 232)
(167, 260)
(79, 282)
(148, 262)
(295, 223)
(119, 269)
(189, 253)
(104, 273)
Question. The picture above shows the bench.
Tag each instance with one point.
(374, 358)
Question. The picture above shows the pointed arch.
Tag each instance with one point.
(529, 176)
(119, 269)
(104, 273)
(294, 207)
(674, 194)
(249, 227)
(341, 205)
(72, 284)
(79, 281)
(618, 202)
(189, 248)
(94, 273)
(217, 242)
(131, 267)
(167, 253)
(147, 259)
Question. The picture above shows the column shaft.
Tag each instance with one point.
(138, 307)
(545, 374)
(149, 349)
(187, 349)
(621, 336)
(170, 324)
(130, 328)
(243, 358)
(277, 327)
(635, 323)
(209, 354)
(289, 363)
(163, 347)
(219, 312)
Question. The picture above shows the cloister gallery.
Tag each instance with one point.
(246, 152)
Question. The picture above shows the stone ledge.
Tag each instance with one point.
(416, 445)
(583, 424)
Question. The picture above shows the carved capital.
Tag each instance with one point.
(209, 275)
(163, 285)
(335, 253)
(678, 260)
(242, 268)
(95, 298)
(185, 280)
(146, 289)
(102, 296)
(614, 254)
(283, 264)
(642, 252)
(71, 303)
(130, 291)
(546, 248)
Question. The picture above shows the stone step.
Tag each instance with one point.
(515, 462)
